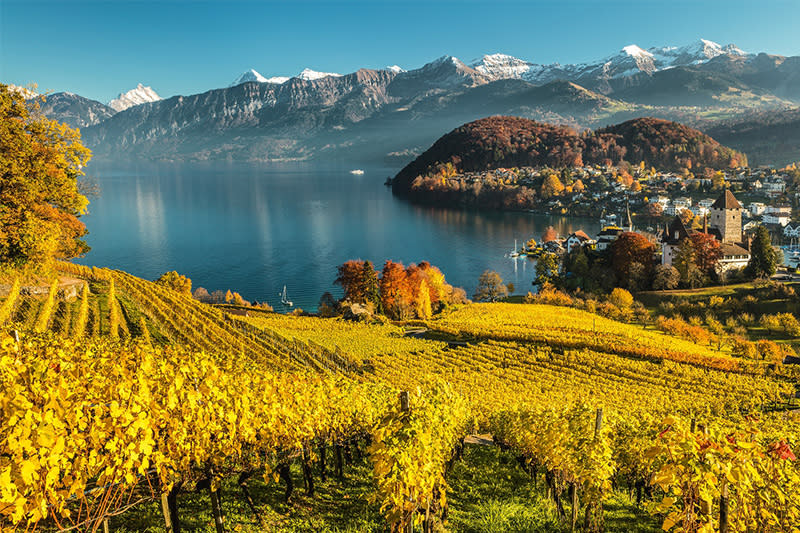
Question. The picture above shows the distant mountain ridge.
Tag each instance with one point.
(369, 114)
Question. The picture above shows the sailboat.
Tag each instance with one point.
(515, 251)
(284, 299)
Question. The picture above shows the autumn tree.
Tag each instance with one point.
(666, 277)
(490, 287)
(351, 279)
(685, 262)
(438, 288)
(40, 201)
(396, 298)
(176, 282)
(628, 249)
(551, 186)
(550, 234)
(654, 211)
(621, 298)
(763, 258)
(707, 251)
(686, 217)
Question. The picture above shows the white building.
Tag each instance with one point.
(780, 220)
(579, 238)
(783, 210)
(706, 202)
(791, 231)
(756, 208)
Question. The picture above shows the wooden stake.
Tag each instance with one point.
(598, 422)
(165, 509)
(723, 509)
(404, 406)
(216, 509)
(575, 506)
(106, 529)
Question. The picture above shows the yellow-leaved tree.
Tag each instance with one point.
(40, 163)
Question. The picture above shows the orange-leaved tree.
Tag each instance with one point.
(628, 249)
(708, 252)
(396, 294)
(40, 202)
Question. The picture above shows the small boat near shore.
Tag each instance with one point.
(284, 299)
(357, 172)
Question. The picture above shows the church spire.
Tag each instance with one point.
(628, 212)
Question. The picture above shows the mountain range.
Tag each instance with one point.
(389, 114)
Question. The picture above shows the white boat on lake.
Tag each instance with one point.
(357, 171)
(284, 299)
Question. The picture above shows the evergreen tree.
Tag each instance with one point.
(369, 282)
(763, 258)
(546, 268)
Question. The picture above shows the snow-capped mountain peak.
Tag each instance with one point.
(694, 53)
(137, 96)
(310, 75)
(501, 66)
(394, 68)
(248, 76)
(252, 75)
(634, 51)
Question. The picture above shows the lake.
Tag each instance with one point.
(255, 228)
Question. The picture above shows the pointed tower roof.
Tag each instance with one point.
(726, 201)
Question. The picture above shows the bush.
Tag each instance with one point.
(769, 351)
(620, 298)
(176, 282)
(744, 348)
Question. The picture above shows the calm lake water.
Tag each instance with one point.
(256, 228)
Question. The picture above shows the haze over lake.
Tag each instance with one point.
(255, 228)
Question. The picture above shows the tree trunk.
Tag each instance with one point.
(308, 473)
(242, 481)
(286, 475)
(339, 461)
(323, 473)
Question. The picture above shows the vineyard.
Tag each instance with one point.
(134, 393)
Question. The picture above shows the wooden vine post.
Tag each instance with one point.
(406, 408)
(723, 508)
(216, 505)
(169, 508)
(598, 425)
(575, 505)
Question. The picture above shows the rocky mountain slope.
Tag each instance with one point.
(368, 114)
(77, 111)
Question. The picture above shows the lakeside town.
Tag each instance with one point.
(684, 231)
(769, 196)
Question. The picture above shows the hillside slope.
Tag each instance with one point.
(497, 142)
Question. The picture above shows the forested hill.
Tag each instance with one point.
(498, 142)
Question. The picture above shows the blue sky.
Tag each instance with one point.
(100, 48)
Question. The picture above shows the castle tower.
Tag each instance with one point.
(726, 217)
